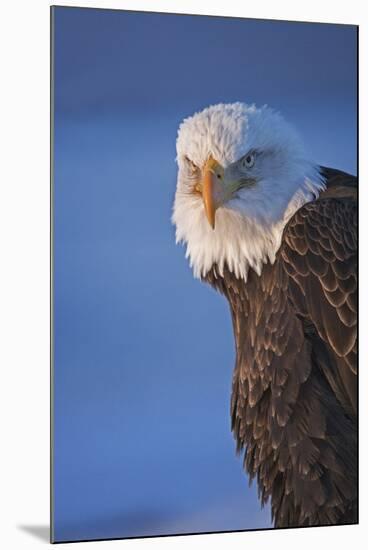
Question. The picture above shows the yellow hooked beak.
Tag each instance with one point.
(218, 187)
(213, 192)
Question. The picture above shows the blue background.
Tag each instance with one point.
(143, 353)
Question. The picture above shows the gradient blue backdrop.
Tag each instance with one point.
(143, 353)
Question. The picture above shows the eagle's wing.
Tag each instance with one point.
(294, 386)
(319, 254)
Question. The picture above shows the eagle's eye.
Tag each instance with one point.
(249, 160)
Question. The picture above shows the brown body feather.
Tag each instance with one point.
(294, 398)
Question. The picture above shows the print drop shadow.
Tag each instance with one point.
(41, 532)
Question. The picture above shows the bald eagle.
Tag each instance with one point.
(276, 234)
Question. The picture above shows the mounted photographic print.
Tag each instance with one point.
(204, 278)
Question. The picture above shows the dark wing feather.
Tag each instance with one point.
(323, 284)
(338, 182)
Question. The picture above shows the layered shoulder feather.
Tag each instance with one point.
(319, 254)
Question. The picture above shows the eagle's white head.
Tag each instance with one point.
(242, 173)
